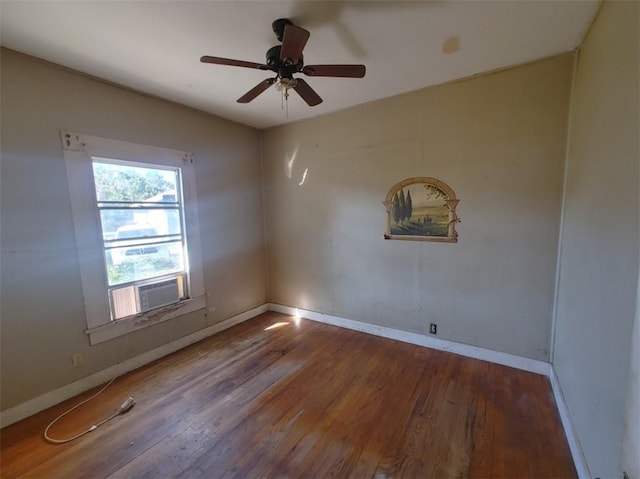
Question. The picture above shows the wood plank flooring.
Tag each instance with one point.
(303, 399)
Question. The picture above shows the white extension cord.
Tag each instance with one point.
(125, 407)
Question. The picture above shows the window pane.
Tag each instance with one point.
(128, 223)
(115, 182)
(135, 263)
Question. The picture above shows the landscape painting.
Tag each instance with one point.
(422, 209)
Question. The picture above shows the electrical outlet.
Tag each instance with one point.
(77, 360)
(433, 328)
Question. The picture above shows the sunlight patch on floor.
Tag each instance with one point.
(279, 324)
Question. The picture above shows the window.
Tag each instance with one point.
(135, 218)
(141, 217)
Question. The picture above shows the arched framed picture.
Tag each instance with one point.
(421, 209)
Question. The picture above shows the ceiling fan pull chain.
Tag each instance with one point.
(285, 101)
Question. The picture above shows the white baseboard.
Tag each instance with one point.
(574, 443)
(56, 396)
(506, 359)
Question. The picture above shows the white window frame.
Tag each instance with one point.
(79, 149)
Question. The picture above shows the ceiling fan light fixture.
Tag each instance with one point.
(287, 83)
(284, 85)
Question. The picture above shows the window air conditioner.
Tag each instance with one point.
(155, 295)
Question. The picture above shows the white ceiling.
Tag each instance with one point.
(155, 46)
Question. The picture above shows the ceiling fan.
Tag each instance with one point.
(285, 60)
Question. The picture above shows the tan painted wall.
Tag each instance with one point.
(42, 310)
(599, 245)
(497, 140)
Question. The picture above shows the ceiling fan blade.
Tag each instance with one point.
(256, 90)
(233, 63)
(344, 71)
(293, 42)
(307, 93)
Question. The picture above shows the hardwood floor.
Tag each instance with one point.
(304, 400)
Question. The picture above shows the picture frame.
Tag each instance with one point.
(421, 209)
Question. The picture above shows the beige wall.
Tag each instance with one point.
(599, 245)
(42, 309)
(497, 140)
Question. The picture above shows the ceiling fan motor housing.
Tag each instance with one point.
(283, 69)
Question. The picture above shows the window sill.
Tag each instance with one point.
(112, 330)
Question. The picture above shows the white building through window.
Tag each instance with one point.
(135, 218)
